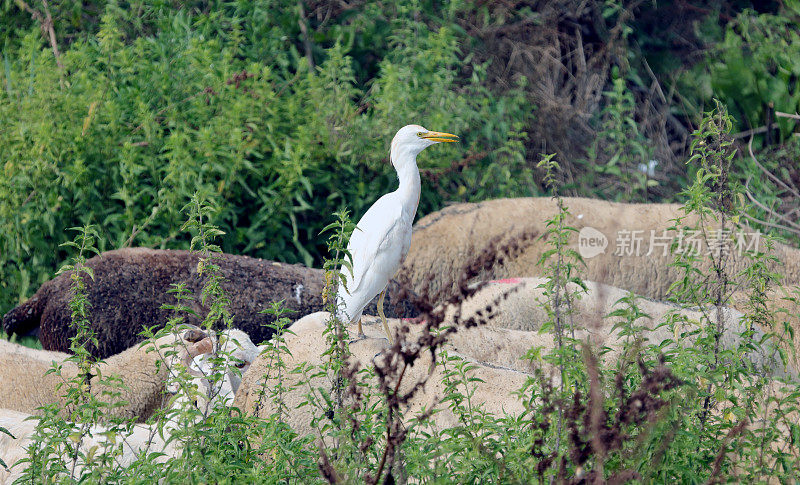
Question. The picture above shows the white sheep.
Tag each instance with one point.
(498, 353)
(444, 240)
(27, 385)
(38, 354)
(517, 305)
(243, 352)
(142, 438)
(136, 441)
(494, 393)
(233, 355)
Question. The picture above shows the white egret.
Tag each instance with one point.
(382, 237)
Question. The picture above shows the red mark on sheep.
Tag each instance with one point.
(507, 281)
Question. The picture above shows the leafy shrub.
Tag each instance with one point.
(155, 102)
(662, 412)
(277, 127)
(755, 62)
(620, 151)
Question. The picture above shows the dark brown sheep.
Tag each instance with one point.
(130, 286)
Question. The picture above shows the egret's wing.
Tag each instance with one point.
(374, 235)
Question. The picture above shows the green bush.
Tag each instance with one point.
(155, 102)
(660, 413)
(754, 61)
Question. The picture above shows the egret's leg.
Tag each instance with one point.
(383, 316)
(360, 330)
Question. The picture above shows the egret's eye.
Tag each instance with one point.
(420, 134)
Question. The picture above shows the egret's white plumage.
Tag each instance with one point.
(382, 237)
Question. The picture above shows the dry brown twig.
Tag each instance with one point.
(391, 366)
(301, 21)
(46, 24)
(787, 225)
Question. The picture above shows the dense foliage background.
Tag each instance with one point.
(283, 111)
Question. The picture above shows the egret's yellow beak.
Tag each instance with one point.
(440, 137)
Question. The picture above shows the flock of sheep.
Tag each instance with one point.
(149, 373)
(130, 285)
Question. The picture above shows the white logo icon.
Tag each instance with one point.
(591, 242)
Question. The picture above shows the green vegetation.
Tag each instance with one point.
(756, 62)
(154, 102)
(283, 111)
(272, 119)
(658, 413)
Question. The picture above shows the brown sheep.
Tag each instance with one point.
(130, 286)
(443, 240)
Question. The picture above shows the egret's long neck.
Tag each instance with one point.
(405, 162)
